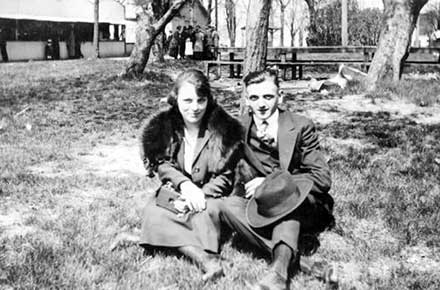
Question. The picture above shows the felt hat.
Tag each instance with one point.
(279, 195)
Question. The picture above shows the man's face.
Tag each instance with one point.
(263, 98)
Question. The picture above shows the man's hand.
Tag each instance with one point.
(252, 185)
(193, 195)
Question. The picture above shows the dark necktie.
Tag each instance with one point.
(263, 135)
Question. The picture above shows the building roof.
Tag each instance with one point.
(110, 11)
(202, 8)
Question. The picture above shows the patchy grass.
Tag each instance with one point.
(420, 89)
(71, 180)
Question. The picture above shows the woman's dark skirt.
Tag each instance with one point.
(163, 228)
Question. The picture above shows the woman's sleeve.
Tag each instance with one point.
(219, 185)
(167, 171)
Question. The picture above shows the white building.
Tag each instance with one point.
(27, 25)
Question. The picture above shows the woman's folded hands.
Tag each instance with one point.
(192, 196)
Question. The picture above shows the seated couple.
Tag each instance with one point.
(265, 177)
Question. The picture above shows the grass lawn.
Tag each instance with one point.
(71, 179)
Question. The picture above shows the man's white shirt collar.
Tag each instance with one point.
(272, 124)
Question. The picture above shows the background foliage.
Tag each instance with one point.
(363, 25)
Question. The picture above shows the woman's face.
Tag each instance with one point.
(191, 106)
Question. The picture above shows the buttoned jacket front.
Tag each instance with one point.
(216, 153)
(299, 152)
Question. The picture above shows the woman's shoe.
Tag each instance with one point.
(271, 281)
(212, 269)
(209, 263)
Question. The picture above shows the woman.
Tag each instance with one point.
(193, 147)
(173, 48)
(198, 44)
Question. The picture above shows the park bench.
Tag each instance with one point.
(287, 58)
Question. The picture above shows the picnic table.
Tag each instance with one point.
(286, 58)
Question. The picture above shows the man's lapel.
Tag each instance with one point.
(247, 123)
(286, 138)
(246, 120)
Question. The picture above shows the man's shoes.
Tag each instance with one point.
(331, 278)
(272, 281)
(321, 270)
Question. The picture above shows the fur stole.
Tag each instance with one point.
(166, 128)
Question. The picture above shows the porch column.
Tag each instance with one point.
(111, 29)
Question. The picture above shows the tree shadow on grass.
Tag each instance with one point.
(93, 86)
(416, 141)
(379, 128)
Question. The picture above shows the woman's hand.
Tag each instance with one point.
(181, 206)
(193, 195)
(252, 185)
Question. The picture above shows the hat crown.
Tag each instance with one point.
(276, 197)
(274, 192)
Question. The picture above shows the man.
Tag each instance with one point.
(183, 35)
(285, 181)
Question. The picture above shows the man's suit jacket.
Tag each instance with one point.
(299, 152)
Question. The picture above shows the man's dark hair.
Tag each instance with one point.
(257, 77)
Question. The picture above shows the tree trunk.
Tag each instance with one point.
(292, 32)
(159, 9)
(282, 8)
(96, 29)
(312, 16)
(209, 12)
(257, 26)
(344, 23)
(216, 14)
(292, 29)
(231, 20)
(158, 50)
(146, 33)
(400, 17)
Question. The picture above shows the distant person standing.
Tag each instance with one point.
(436, 38)
(215, 43)
(182, 42)
(192, 35)
(208, 43)
(49, 50)
(198, 44)
(4, 52)
(174, 43)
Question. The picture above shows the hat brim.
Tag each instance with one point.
(258, 221)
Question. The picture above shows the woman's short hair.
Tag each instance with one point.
(257, 77)
(201, 84)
